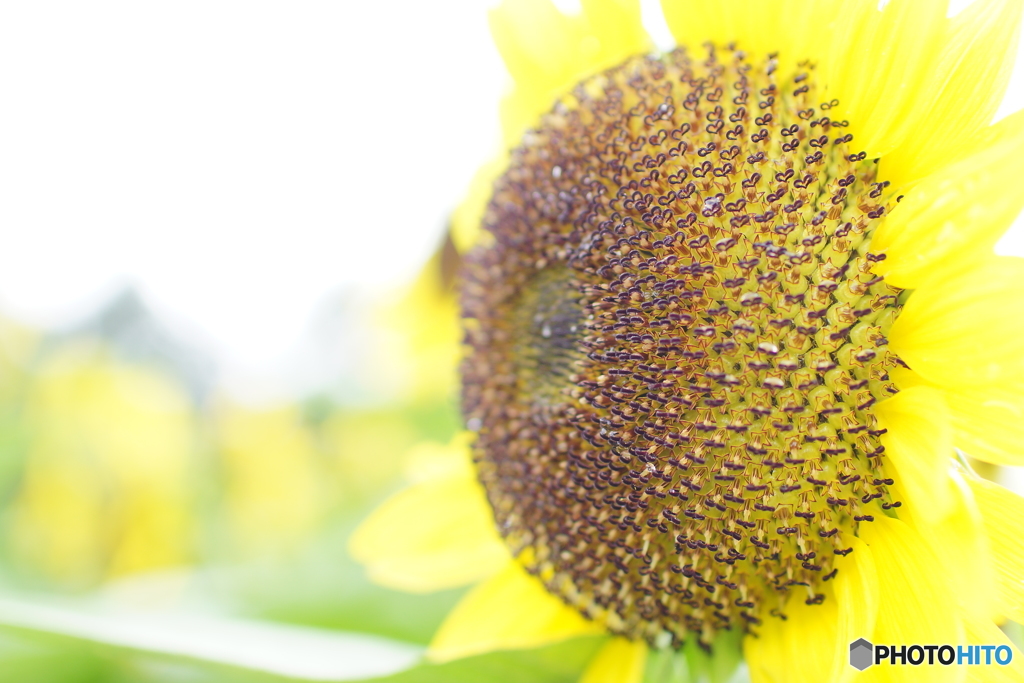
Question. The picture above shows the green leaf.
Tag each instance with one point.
(27, 659)
(694, 664)
(318, 586)
(727, 653)
(325, 588)
(58, 643)
(667, 666)
(560, 663)
(276, 649)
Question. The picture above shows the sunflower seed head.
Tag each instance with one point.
(675, 341)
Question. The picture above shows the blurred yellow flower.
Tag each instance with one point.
(423, 351)
(274, 489)
(107, 482)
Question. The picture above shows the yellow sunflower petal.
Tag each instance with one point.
(856, 594)
(533, 38)
(952, 219)
(919, 445)
(881, 68)
(619, 661)
(906, 378)
(547, 52)
(695, 22)
(806, 27)
(801, 648)
(433, 535)
(765, 654)
(432, 460)
(958, 540)
(512, 610)
(913, 598)
(816, 628)
(810, 644)
(618, 28)
(962, 329)
(986, 633)
(1003, 514)
(989, 421)
(466, 220)
(795, 30)
(975, 67)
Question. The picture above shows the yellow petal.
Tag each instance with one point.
(619, 661)
(510, 611)
(805, 32)
(974, 70)
(433, 535)
(919, 447)
(960, 543)
(618, 28)
(801, 648)
(547, 52)
(810, 644)
(882, 68)
(694, 22)
(538, 44)
(951, 219)
(965, 328)
(1003, 514)
(986, 633)
(905, 378)
(432, 460)
(466, 221)
(765, 653)
(795, 30)
(989, 421)
(915, 603)
(533, 38)
(856, 595)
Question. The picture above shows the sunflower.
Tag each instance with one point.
(732, 321)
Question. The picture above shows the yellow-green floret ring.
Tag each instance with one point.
(675, 343)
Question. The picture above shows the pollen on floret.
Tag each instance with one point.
(675, 340)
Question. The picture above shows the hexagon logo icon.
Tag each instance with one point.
(862, 654)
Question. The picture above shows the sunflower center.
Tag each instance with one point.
(675, 342)
(547, 328)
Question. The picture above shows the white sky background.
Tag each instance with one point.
(238, 162)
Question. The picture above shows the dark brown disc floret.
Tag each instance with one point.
(675, 340)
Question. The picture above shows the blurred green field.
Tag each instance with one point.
(149, 520)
